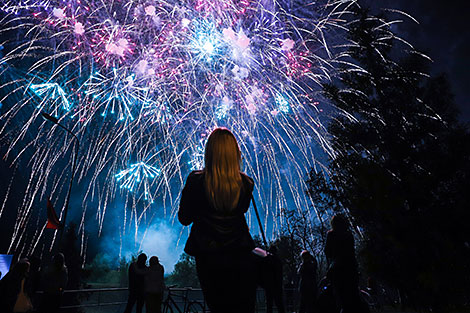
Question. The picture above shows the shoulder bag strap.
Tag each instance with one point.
(259, 222)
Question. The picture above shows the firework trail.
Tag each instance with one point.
(142, 83)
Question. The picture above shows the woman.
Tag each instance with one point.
(54, 281)
(308, 282)
(339, 251)
(15, 291)
(215, 201)
(154, 285)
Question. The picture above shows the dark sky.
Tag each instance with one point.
(443, 33)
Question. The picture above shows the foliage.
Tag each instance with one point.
(299, 227)
(103, 270)
(402, 162)
(288, 250)
(184, 274)
(302, 231)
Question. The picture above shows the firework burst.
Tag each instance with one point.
(153, 78)
(136, 175)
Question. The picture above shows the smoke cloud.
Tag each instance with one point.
(161, 238)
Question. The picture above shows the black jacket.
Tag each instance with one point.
(339, 248)
(136, 279)
(212, 230)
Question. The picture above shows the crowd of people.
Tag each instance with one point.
(19, 287)
(214, 202)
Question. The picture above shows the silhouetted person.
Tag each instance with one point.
(339, 251)
(326, 300)
(215, 201)
(15, 289)
(136, 285)
(54, 280)
(308, 282)
(273, 283)
(35, 278)
(154, 286)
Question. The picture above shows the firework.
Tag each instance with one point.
(137, 174)
(149, 79)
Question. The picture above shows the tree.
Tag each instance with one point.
(302, 231)
(300, 228)
(184, 274)
(288, 250)
(103, 270)
(402, 161)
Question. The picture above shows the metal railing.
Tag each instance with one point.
(107, 299)
(84, 295)
(89, 298)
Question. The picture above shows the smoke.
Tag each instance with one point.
(161, 238)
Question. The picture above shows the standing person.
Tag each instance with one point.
(308, 282)
(342, 273)
(154, 286)
(215, 201)
(35, 278)
(15, 291)
(136, 284)
(274, 283)
(54, 280)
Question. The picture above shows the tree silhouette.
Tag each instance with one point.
(403, 159)
(184, 274)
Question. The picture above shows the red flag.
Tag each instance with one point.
(52, 219)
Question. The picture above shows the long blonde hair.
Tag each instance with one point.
(223, 181)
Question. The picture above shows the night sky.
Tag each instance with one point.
(443, 33)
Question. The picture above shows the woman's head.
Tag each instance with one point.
(222, 151)
(22, 268)
(305, 256)
(339, 223)
(154, 261)
(141, 259)
(222, 169)
(58, 260)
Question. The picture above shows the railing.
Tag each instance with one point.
(91, 298)
(115, 299)
(104, 297)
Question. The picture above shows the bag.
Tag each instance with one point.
(23, 303)
(265, 271)
(265, 268)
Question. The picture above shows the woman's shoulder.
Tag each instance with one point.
(340, 235)
(195, 176)
(330, 234)
(197, 173)
(247, 180)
